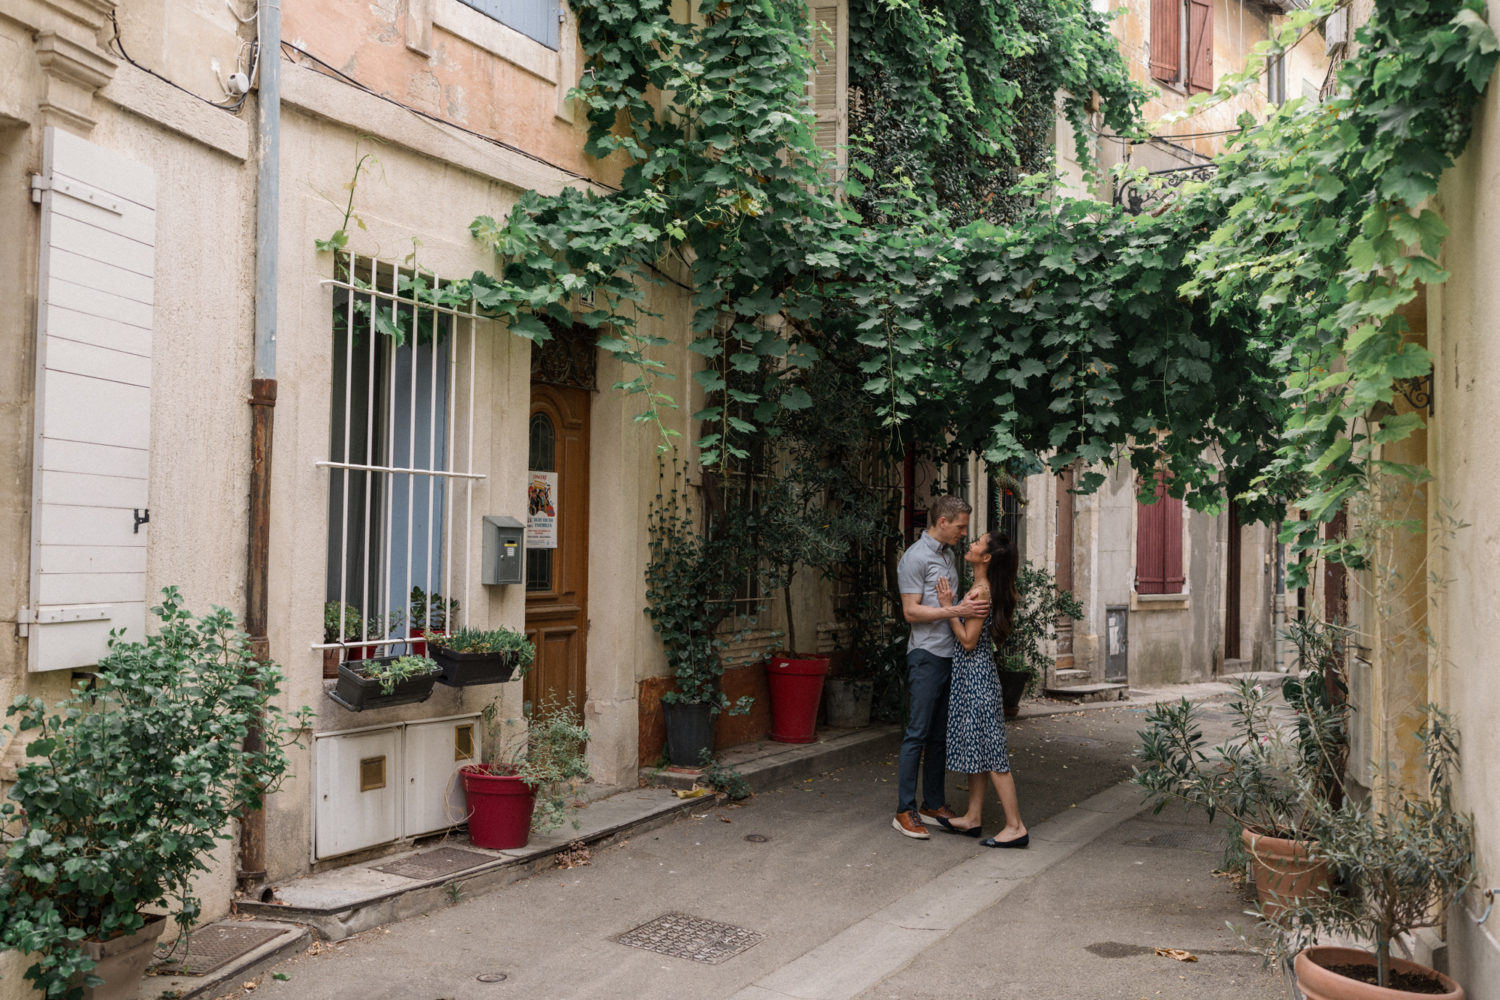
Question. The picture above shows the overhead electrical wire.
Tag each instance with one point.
(232, 107)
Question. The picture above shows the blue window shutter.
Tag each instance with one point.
(536, 19)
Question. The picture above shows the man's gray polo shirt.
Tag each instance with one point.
(920, 568)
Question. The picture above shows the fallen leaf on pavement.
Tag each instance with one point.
(692, 793)
(725, 819)
(250, 984)
(1177, 953)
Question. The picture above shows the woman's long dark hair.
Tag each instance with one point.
(1005, 562)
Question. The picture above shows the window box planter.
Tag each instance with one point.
(356, 692)
(466, 669)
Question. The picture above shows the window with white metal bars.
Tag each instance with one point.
(401, 469)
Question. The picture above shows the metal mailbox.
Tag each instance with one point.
(504, 552)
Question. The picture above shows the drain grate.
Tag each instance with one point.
(216, 946)
(1077, 741)
(1187, 840)
(682, 936)
(435, 864)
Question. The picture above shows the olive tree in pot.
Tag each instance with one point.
(1022, 660)
(1258, 779)
(526, 778)
(691, 583)
(1403, 866)
(126, 789)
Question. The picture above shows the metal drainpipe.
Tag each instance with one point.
(263, 390)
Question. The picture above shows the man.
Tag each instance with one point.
(929, 662)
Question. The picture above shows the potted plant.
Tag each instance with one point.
(1256, 779)
(429, 613)
(126, 789)
(526, 778)
(478, 656)
(341, 622)
(385, 681)
(1022, 660)
(692, 582)
(1404, 866)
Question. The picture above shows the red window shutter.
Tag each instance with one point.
(1166, 39)
(1200, 75)
(1158, 545)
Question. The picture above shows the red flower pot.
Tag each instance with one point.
(796, 688)
(420, 648)
(499, 807)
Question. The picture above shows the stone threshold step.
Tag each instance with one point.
(342, 902)
(1091, 692)
(766, 764)
(292, 941)
(1068, 678)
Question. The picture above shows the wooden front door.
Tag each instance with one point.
(557, 618)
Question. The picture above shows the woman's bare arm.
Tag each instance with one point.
(966, 630)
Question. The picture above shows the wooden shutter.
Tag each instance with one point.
(828, 82)
(1166, 40)
(1200, 75)
(92, 429)
(1158, 544)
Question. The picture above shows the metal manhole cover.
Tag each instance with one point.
(1077, 741)
(491, 977)
(435, 864)
(682, 936)
(216, 945)
(757, 838)
(1187, 840)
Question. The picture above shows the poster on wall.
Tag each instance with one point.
(541, 510)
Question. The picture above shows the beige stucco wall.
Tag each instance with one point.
(1463, 321)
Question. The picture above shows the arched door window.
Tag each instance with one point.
(541, 457)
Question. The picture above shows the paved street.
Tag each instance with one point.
(847, 907)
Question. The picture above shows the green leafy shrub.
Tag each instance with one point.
(1039, 606)
(546, 753)
(1404, 864)
(724, 780)
(499, 640)
(431, 611)
(393, 672)
(128, 786)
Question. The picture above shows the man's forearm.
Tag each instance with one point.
(923, 613)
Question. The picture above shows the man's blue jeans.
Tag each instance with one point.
(926, 731)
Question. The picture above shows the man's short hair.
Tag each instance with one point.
(948, 506)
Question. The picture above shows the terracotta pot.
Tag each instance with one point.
(331, 659)
(121, 962)
(1317, 983)
(1283, 870)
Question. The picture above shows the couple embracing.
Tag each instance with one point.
(956, 720)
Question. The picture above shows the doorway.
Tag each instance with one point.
(557, 578)
(1232, 586)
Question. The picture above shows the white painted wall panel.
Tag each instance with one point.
(347, 818)
(96, 410)
(91, 450)
(93, 559)
(95, 302)
(99, 243)
(80, 327)
(97, 362)
(99, 459)
(434, 793)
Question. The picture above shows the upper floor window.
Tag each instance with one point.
(1158, 544)
(536, 19)
(1182, 43)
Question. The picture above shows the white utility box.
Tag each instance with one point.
(388, 783)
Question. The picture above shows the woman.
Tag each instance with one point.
(976, 713)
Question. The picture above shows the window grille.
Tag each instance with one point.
(401, 458)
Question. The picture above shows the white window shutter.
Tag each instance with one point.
(828, 85)
(92, 430)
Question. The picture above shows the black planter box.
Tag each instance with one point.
(465, 669)
(356, 692)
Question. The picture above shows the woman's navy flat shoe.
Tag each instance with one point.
(946, 825)
(1020, 841)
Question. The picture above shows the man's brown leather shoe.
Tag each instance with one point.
(908, 825)
(933, 814)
